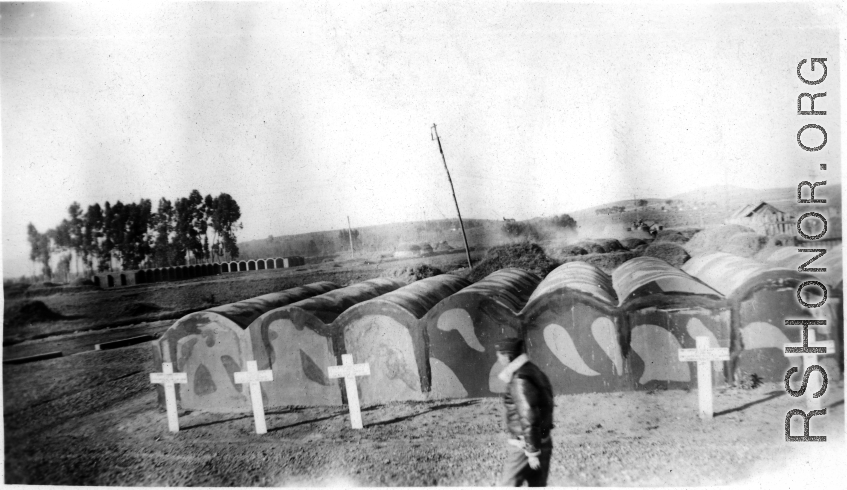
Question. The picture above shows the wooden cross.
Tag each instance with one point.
(168, 378)
(252, 377)
(809, 353)
(349, 371)
(704, 355)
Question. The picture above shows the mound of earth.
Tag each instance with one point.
(592, 247)
(82, 281)
(633, 243)
(606, 262)
(671, 253)
(28, 311)
(139, 309)
(712, 239)
(443, 246)
(572, 250)
(525, 255)
(672, 236)
(610, 244)
(676, 235)
(413, 273)
(744, 244)
(44, 286)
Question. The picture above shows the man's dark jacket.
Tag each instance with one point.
(529, 403)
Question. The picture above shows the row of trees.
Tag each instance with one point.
(136, 236)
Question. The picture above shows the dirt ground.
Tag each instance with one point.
(108, 309)
(92, 419)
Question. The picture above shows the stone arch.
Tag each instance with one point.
(260, 264)
(123, 279)
(224, 267)
(110, 281)
(141, 277)
(251, 265)
(242, 266)
(156, 275)
(271, 264)
(279, 262)
(96, 280)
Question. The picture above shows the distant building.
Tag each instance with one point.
(763, 218)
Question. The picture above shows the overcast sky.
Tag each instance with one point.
(308, 113)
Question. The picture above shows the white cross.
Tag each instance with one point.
(704, 355)
(809, 358)
(349, 371)
(168, 378)
(252, 377)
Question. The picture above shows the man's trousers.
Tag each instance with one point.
(516, 469)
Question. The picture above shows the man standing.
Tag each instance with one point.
(528, 401)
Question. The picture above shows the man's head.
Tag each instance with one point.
(508, 349)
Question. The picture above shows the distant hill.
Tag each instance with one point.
(626, 203)
(787, 196)
(697, 208)
(718, 193)
(742, 195)
(375, 238)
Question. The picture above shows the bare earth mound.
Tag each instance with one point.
(670, 237)
(28, 311)
(676, 235)
(744, 244)
(571, 251)
(671, 253)
(711, 240)
(413, 273)
(607, 262)
(525, 255)
(137, 309)
(633, 243)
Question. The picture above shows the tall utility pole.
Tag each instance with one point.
(350, 235)
(462, 224)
